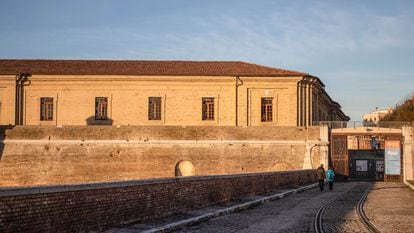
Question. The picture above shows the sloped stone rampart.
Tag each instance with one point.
(146, 133)
(33, 155)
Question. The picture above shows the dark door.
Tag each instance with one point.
(339, 155)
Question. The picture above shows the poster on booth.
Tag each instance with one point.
(361, 165)
(392, 158)
(379, 166)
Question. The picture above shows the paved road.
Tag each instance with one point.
(342, 215)
(389, 206)
(386, 206)
(295, 213)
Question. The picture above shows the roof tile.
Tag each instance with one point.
(140, 67)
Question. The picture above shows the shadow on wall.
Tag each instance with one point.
(93, 121)
(3, 136)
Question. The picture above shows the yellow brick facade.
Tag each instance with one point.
(296, 100)
(7, 100)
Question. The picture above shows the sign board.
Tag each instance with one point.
(392, 158)
(361, 165)
(379, 166)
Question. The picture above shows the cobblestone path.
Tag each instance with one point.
(342, 215)
(390, 207)
(295, 213)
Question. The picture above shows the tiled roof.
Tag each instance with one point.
(139, 67)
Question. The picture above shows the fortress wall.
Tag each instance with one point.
(76, 154)
(146, 133)
(408, 155)
(97, 206)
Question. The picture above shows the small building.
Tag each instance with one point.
(376, 115)
(199, 93)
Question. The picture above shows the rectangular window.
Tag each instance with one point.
(154, 108)
(101, 108)
(208, 108)
(267, 109)
(46, 109)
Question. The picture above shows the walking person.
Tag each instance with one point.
(330, 177)
(320, 173)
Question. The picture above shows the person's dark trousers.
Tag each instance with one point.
(330, 185)
(321, 185)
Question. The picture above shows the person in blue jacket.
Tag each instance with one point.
(330, 177)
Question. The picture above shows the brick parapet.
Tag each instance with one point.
(96, 206)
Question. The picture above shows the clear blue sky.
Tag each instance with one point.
(362, 50)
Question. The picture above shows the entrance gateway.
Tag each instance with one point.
(367, 153)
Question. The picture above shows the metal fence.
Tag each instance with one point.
(358, 124)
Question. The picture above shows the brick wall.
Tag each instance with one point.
(51, 155)
(97, 206)
(148, 133)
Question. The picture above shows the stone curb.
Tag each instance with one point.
(409, 184)
(187, 222)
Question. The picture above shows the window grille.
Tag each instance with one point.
(208, 108)
(267, 110)
(101, 108)
(154, 108)
(46, 109)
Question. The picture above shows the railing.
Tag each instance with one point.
(367, 124)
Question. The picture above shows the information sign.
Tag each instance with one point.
(392, 158)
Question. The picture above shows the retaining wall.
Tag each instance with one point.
(97, 206)
(35, 155)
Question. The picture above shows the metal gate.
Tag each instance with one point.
(339, 155)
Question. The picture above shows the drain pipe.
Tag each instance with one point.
(21, 78)
(300, 102)
(239, 82)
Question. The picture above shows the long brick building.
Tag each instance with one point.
(199, 93)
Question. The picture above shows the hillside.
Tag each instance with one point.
(402, 112)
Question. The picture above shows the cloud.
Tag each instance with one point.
(355, 47)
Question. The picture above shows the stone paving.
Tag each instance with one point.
(389, 206)
(342, 215)
(294, 213)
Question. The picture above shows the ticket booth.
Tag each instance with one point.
(366, 154)
(366, 164)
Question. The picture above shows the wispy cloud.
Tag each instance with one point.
(355, 47)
